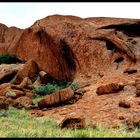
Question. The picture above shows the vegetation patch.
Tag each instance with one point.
(9, 59)
(10, 94)
(17, 123)
(47, 89)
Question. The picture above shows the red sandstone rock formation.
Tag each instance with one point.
(103, 50)
(69, 47)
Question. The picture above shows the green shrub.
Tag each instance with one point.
(9, 59)
(45, 89)
(10, 94)
(41, 90)
(74, 86)
(64, 84)
(53, 87)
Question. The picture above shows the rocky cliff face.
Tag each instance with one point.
(72, 48)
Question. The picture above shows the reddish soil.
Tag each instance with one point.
(102, 109)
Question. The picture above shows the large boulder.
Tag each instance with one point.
(56, 98)
(109, 88)
(70, 47)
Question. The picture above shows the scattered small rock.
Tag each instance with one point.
(109, 88)
(24, 100)
(124, 104)
(73, 120)
(121, 117)
(130, 70)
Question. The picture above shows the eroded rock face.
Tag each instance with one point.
(69, 47)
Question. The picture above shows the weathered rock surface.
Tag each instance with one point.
(109, 88)
(130, 70)
(124, 104)
(72, 47)
(56, 98)
(99, 51)
(73, 120)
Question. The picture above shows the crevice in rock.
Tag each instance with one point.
(64, 51)
(110, 45)
(68, 55)
(8, 77)
(128, 29)
(118, 61)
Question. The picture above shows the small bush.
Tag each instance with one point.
(64, 84)
(9, 59)
(45, 89)
(74, 86)
(53, 87)
(41, 90)
(10, 94)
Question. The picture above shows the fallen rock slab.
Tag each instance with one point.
(109, 88)
(56, 98)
